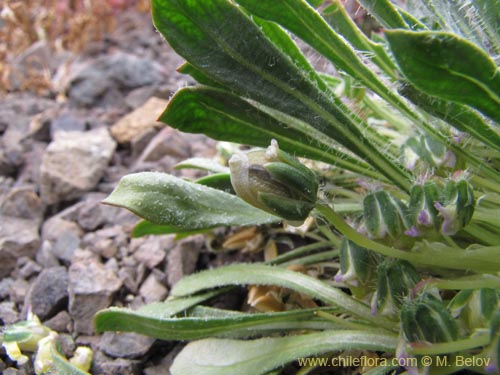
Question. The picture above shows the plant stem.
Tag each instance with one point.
(481, 260)
(452, 346)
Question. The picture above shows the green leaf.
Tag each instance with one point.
(338, 18)
(467, 75)
(258, 70)
(257, 274)
(203, 164)
(219, 181)
(63, 366)
(153, 322)
(144, 228)
(198, 75)
(387, 14)
(168, 200)
(457, 115)
(226, 117)
(256, 357)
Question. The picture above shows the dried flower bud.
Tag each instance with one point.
(426, 319)
(82, 358)
(457, 207)
(275, 182)
(395, 280)
(384, 215)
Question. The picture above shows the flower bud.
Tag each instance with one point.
(423, 215)
(395, 280)
(475, 307)
(426, 319)
(44, 362)
(432, 151)
(355, 264)
(384, 215)
(275, 182)
(82, 358)
(457, 207)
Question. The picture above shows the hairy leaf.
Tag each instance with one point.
(168, 200)
(466, 73)
(255, 357)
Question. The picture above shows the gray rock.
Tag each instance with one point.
(151, 250)
(89, 80)
(27, 268)
(104, 365)
(166, 362)
(74, 163)
(18, 238)
(22, 203)
(67, 122)
(106, 242)
(49, 293)
(54, 227)
(67, 344)
(152, 290)
(45, 257)
(18, 290)
(5, 285)
(93, 214)
(61, 322)
(8, 313)
(65, 246)
(181, 260)
(91, 288)
(125, 345)
(131, 276)
(167, 142)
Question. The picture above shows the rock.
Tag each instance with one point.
(27, 268)
(165, 363)
(91, 288)
(167, 142)
(18, 290)
(48, 294)
(181, 260)
(131, 276)
(104, 365)
(67, 344)
(61, 322)
(93, 214)
(88, 81)
(22, 203)
(106, 242)
(139, 121)
(151, 250)
(5, 285)
(74, 163)
(141, 141)
(64, 237)
(8, 313)
(125, 345)
(45, 257)
(67, 122)
(152, 290)
(18, 238)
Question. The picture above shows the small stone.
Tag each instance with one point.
(18, 290)
(5, 285)
(67, 344)
(125, 345)
(67, 122)
(28, 268)
(64, 236)
(165, 363)
(102, 364)
(61, 322)
(131, 276)
(49, 293)
(181, 260)
(8, 313)
(139, 121)
(45, 257)
(151, 250)
(168, 142)
(22, 203)
(18, 238)
(91, 288)
(152, 290)
(73, 164)
(141, 141)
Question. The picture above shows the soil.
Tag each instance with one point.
(65, 141)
